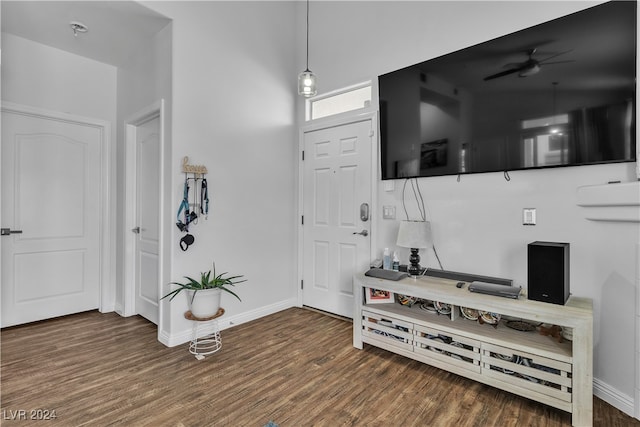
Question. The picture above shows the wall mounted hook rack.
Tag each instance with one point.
(195, 169)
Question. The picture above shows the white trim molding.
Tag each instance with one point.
(637, 335)
(614, 397)
(224, 322)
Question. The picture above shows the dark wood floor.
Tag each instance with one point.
(296, 368)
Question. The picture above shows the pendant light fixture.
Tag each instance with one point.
(306, 79)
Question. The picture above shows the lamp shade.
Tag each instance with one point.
(414, 234)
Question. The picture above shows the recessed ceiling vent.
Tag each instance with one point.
(78, 27)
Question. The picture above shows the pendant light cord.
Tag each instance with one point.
(307, 35)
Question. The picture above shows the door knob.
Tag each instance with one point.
(8, 231)
(362, 233)
(136, 230)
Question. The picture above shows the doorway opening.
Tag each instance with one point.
(144, 241)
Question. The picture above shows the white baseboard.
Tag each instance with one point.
(108, 308)
(614, 397)
(225, 322)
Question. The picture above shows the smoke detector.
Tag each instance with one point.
(78, 27)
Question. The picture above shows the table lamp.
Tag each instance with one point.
(414, 235)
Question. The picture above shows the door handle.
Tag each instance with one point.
(362, 233)
(136, 230)
(8, 231)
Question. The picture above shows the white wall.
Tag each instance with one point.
(44, 77)
(233, 111)
(477, 223)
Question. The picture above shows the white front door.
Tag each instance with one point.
(147, 228)
(51, 195)
(337, 214)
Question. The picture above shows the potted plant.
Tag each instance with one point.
(203, 296)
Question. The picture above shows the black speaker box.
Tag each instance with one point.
(548, 272)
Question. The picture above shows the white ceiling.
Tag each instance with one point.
(117, 29)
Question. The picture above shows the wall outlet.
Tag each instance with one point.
(529, 216)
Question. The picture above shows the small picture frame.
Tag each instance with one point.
(378, 296)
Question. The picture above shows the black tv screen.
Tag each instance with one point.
(561, 93)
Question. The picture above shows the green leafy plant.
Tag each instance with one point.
(207, 281)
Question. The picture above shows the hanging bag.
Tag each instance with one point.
(204, 198)
(184, 206)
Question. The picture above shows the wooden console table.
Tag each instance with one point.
(529, 364)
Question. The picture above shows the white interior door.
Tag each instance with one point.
(147, 212)
(336, 239)
(51, 192)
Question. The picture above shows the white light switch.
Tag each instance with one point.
(529, 216)
(388, 212)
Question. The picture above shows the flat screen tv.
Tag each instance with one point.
(561, 93)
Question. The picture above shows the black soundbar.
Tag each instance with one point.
(466, 277)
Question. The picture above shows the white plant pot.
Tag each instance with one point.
(205, 303)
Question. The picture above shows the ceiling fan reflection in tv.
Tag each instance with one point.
(529, 67)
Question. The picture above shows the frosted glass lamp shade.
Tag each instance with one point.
(307, 84)
(414, 234)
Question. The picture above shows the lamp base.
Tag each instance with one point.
(414, 269)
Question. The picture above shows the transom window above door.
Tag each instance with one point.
(341, 101)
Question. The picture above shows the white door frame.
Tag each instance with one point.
(107, 199)
(324, 124)
(152, 111)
